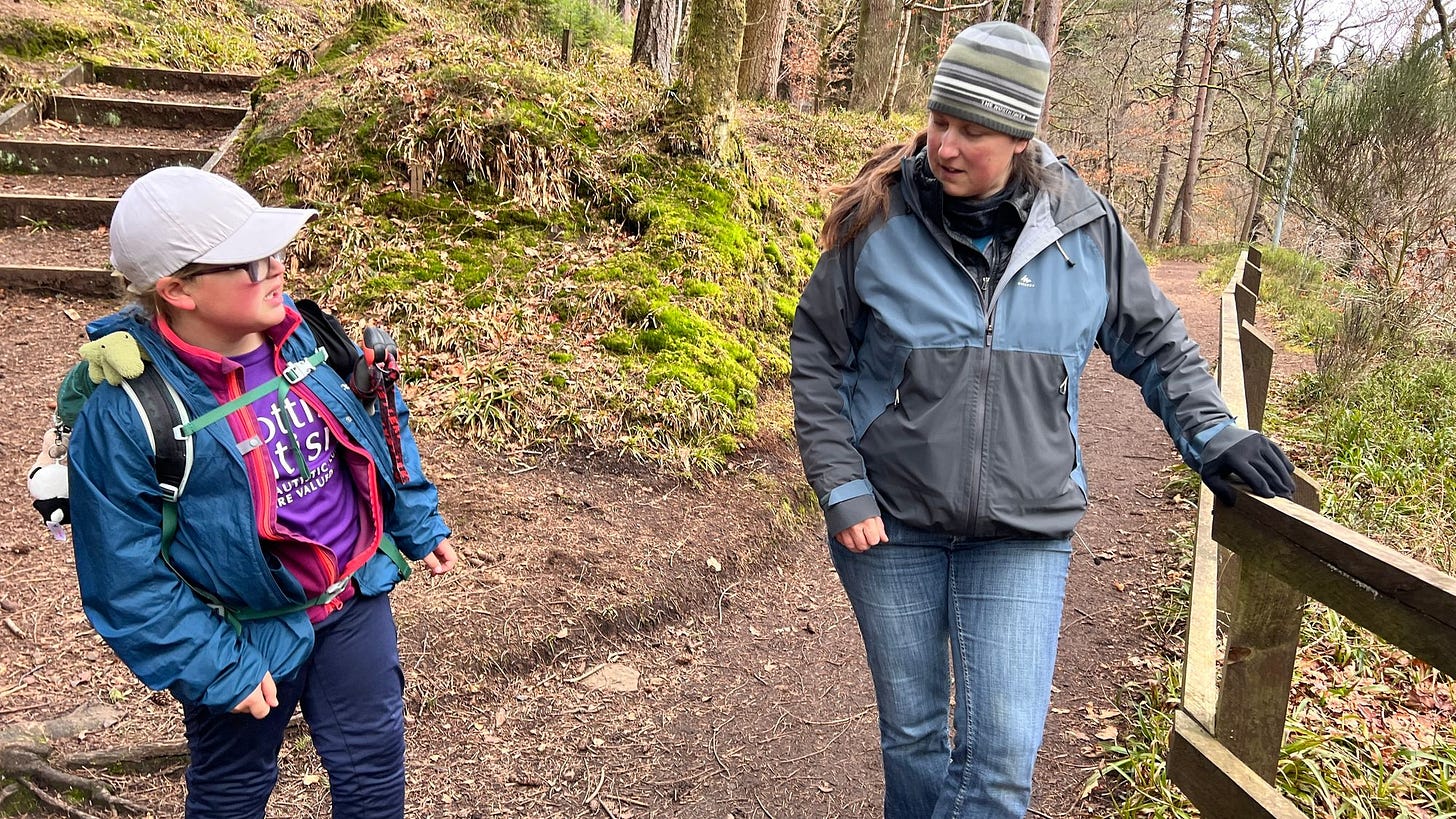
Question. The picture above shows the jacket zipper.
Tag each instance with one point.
(342, 439)
(269, 515)
(977, 449)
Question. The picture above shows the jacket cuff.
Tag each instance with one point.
(847, 513)
(1221, 443)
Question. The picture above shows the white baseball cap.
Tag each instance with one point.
(173, 217)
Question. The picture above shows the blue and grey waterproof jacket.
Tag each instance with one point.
(168, 636)
(948, 409)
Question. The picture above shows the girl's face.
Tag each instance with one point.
(230, 309)
(970, 159)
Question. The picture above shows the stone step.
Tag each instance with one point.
(114, 113)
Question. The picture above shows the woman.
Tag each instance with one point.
(966, 276)
(268, 587)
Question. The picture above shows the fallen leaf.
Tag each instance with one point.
(310, 779)
(714, 564)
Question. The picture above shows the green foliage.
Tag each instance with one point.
(1190, 253)
(1383, 450)
(590, 23)
(1297, 290)
(173, 33)
(1379, 160)
(1370, 732)
(558, 279)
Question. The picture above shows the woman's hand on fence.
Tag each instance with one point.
(1256, 461)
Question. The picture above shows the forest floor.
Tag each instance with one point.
(747, 693)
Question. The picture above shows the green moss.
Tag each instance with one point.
(373, 22)
(618, 341)
(701, 289)
(322, 122)
(785, 307)
(31, 39)
(559, 357)
(260, 152)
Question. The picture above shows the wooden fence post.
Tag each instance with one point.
(566, 46)
(1264, 612)
(1263, 638)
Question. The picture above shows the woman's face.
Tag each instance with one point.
(970, 159)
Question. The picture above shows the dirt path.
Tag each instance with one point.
(753, 698)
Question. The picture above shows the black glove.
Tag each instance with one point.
(1256, 461)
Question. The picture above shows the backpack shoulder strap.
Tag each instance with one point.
(330, 335)
(163, 414)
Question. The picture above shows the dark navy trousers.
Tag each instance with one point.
(351, 691)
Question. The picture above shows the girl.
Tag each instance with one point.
(264, 584)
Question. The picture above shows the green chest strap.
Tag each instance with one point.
(172, 445)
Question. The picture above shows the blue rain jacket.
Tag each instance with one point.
(163, 632)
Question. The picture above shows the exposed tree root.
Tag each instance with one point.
(25, 750)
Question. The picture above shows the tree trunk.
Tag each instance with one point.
(1449, 52)
(887, 104)
(874, 53)
(1180, 70)
(657, 25)
(1048, 27)
(1183, 207)
(763, 48)
(705, 93)
(1256, 185)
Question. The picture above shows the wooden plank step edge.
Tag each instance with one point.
(93, 159)
(117, 113)
(85, 281)
(168, 79)
(18, 210)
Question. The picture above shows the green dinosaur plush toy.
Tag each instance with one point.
(112, 358)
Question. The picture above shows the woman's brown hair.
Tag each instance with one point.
(867, 197)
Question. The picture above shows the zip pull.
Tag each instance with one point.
(897, 396)
(1058, 243)
(1063, 388)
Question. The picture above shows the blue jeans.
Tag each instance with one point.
(931, 605)
(351, 690)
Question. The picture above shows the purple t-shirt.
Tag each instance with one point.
(319, 505)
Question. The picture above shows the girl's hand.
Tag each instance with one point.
(442, 559)
(263, 699)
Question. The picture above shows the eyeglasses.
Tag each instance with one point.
(257, 269)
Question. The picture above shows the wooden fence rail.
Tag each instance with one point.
(1255, 566)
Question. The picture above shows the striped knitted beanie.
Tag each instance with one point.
(994, 74)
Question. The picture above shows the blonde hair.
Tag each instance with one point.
(867, 197)
(145, 298)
